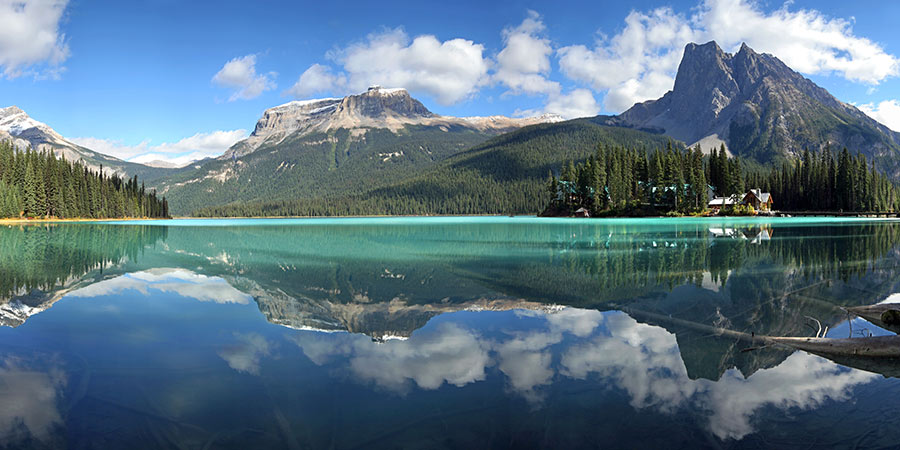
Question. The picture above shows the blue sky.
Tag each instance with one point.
(166, 79)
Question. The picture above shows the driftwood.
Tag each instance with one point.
(884, 315)
(877, 354)
(871, 347)
(886, 347)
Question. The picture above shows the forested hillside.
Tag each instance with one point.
(316, 165)
(40, 185)
(505, 175)
(619, 181)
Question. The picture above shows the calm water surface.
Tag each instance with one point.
(440, 333)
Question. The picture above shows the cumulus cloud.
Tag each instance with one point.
(30, 35)
(448, 354)
(642, 360)
(179, 281)
(802, 381)
(639, 63)
(450, 71)
(240, 74)
(523, 66)
(635, 65)
(317, 79)
(645, 362)
(806, 40)
(180, 153)
(887, 112)
(524, 63)
(246, 354)
(577, 103)
(30, 397)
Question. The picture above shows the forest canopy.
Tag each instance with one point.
(39, 185)
(622, 181)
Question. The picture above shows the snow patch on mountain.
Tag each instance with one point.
(378, 107)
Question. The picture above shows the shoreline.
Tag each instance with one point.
(35, 221)
(785, 215)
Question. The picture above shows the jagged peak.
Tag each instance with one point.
(11, 110)
(746, 49)
(709, 48)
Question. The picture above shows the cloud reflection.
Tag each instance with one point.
(28, 401)
(245, 355)
(643, 360)
(179, 281)
(447, 354)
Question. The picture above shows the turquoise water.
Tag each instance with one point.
(440, 332)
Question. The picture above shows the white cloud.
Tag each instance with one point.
(645, 361)
(450, 71)
(806, 40)
(577, 103)
(524, 63)
(635, 65)
(642, 360)
(802, 381)
(246, 355)
(524, 67)
(30, 35)
(886, 112)
(640, 62)
(430, 358)
(317, 79)
(30, 399)
(179, 281)
(192, 148)
(240, 74)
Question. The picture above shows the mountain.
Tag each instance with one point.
(16, 126)
(315, 148)
(760, 109)
(379, 108)
(504, 175)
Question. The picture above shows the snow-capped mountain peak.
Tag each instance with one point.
(377, 107)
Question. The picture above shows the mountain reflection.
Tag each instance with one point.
(175, 325)
(178, 281)
(608, 348)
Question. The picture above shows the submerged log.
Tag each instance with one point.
(867, 347)
(884, 315)
(872, 347)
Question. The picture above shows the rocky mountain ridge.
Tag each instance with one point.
(19, 128)
(378, 107)
(760, 108)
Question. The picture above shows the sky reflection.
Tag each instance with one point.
(607, 347)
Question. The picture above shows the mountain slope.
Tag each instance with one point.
(505, 175)
(16, 126)
(316, 148)
(760, 108)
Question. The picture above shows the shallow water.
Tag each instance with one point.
(439, 333)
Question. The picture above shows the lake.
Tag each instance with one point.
(466, 332)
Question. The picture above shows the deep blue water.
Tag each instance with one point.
(440, 333)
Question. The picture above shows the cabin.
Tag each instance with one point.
(566, 191)
(759, 200)
(718, 203)
(582, 212)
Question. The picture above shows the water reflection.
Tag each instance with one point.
(31, 395)
(179, 281)
(245, 353)
(177, 325)
(610, 349)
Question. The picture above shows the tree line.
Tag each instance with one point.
(624, 181)
(829, 182)
(40, 185)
